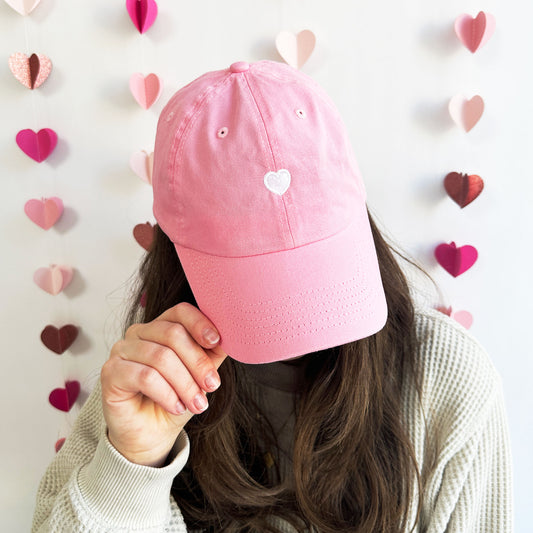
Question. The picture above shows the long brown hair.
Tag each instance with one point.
(354, 464)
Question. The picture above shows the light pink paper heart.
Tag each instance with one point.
(31, 71)
(296, 49)
(44, 212)
(466, 113)
(145, 90)
(455, 260)
(475, 32)
(464, 318)
(38, 145)
(142, 163)
(24, 7)
(53, 279)
(142, 13)
(64, 399)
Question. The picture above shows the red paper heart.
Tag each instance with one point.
(59, 444)
(142, 13)
(463, 188)
(64, 399)
(455, 260)
(38, 145)
(59, 340)
(144, 235)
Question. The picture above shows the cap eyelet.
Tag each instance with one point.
(300, 113)
(222, 132)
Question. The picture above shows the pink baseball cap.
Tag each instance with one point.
(256, 184)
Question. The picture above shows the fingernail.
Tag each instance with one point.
(212, 381)
(200, 401)
(211, 336)
(180, 408)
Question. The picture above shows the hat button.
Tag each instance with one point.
(240, 66)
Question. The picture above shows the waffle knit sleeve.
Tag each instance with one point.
(91, 487)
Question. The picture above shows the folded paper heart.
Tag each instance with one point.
(455, 260)
(142, 13)
(466, 113)
(31, 71)
(462, 317)
(296, 49)
(59, 444)
(142, 300)
(24, 7)
(142, 163)
(64, 399)
(59, 339)
(53, 279)
(475, 32)
(144, 235)
(463, 188)
(147, 90)
(38, 145)
(44, 212)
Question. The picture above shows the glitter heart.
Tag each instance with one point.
(463, 188)
(31, 71)
(278, 182)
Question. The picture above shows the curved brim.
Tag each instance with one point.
(285, 304)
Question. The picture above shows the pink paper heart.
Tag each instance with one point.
(142, 163)
(64, 399)
(31, 71)
(466, 113)
(296, 49)
(24, 7)
(455, 260)
(45, 212)
(142, 13)
(145, 90)
(53, 279)
(39, 145)
(464, 318)
(475, 32)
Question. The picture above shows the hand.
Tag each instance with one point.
(156, 379)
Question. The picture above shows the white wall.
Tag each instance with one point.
(391, 67)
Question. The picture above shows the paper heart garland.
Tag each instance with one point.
(53, 279)
(59, 340)
(475, 32)
(147, 90)
(64, 399)
(59, 444)
(38, 145)
(455, 260)
(142, 13)
(144, 235)
(462, 317)
(142, 163)
(463, 188)
(466, 113)
(296, 49)
(31, 71)
(45, 212)
(24, 7)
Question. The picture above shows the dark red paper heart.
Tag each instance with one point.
(463, 188)
(144, 235)
(59, 340)
(64, 399)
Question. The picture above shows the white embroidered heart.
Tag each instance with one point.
(278, 182)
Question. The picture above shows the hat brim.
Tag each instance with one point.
(285, 304)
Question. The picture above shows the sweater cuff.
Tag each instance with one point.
(128, 495)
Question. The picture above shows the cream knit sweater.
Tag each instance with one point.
(90, 487)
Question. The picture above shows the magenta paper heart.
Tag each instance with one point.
(296, 49)
(53, 279)
(466, 113)
(64, 399)
(455, 260)
(475, 32)
(31, 71)
(24, 7)
(39, 145)
(142, 13)
(45, 212)
(145, 90)
(142, 163)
